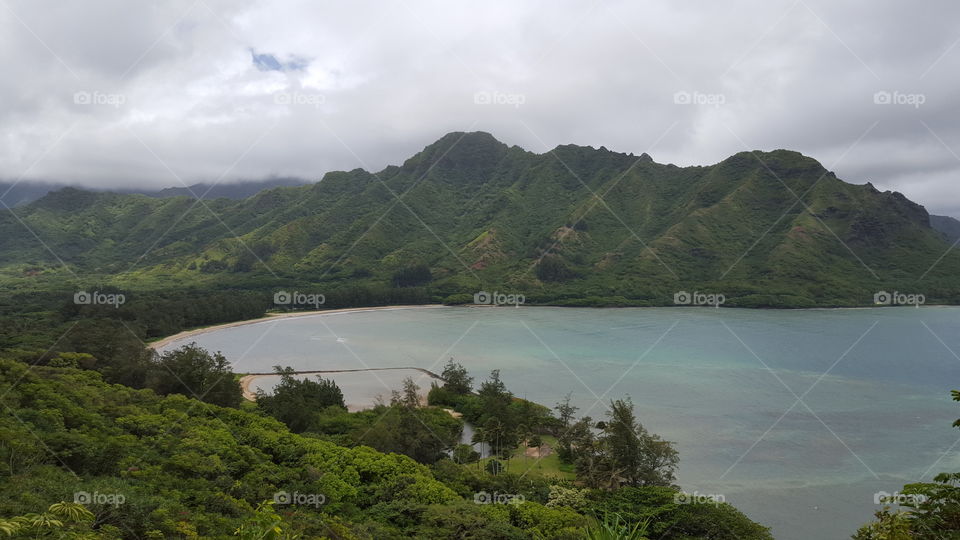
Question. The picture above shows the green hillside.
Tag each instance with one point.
(137, 465)
(575, 225)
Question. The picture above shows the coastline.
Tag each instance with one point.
(249, 378)
(163, 342)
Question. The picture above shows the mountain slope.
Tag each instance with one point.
(19, 194)
(573, 225)
(948, 226)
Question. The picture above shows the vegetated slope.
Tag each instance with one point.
(148, 466)
(24, 192)
(948, 226)
(165, 467)
(573, 225)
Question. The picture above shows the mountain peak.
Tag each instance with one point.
(464, 138)
(477, 152)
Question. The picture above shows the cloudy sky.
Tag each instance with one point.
(123, 92)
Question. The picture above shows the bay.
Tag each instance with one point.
(796, 417)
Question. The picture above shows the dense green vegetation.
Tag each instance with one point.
(292, 399)
(478, 215)
(103, 438)
(148, 466)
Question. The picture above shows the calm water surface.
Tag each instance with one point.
(797, 417)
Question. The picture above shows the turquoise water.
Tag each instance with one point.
(875, 409)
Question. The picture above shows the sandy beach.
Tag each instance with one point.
(163, 342)
(360, 392)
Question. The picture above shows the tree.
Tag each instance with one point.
(464, 453)
(426, 434)
(565, 412)
(412, 276)
(61, 520)
(409, 398)
(642, 459)
(553, 268)
(194, 372)
(293, 401)
(494, 396)
(622, 453)
(456, 379)
(887, 526)
(578, 435)
(265, 525)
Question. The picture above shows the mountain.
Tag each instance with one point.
(21, 193)
(238, 190)
(575, 225)
(947, 226)
(17, 194)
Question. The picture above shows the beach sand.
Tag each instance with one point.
(163, 342)
(362, 388)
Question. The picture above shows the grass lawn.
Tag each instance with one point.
(548, 466)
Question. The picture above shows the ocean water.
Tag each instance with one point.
(797, 417)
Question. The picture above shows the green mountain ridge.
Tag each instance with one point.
(571, 225)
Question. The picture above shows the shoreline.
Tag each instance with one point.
(163, 342)
(248, 379)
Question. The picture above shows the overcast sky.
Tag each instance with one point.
(122, 92)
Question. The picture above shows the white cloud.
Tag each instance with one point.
(387, 78)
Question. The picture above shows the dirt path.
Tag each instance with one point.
(544, 451)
